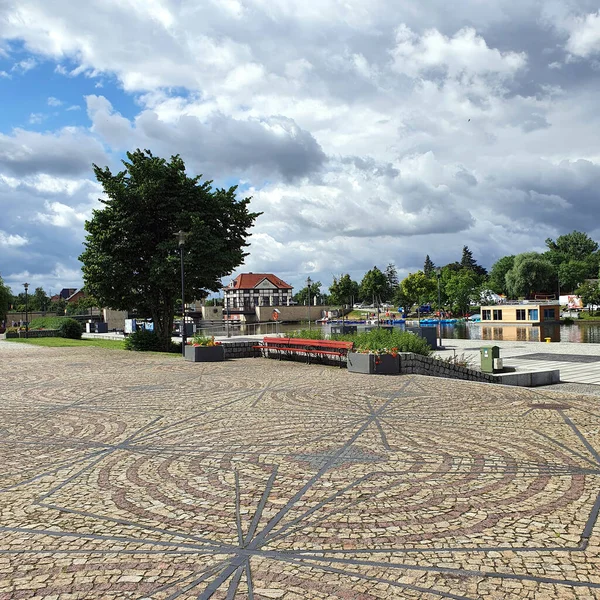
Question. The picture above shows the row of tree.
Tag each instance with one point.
(570, 265)
(40, 301)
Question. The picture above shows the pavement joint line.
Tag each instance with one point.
(451, 452)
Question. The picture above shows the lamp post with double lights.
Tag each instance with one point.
(181, 235)
(26, 286)
(438, 272)
(308, 282)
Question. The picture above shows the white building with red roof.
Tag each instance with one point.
(251, 290)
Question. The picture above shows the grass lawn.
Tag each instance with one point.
(58, 342)
(586, 316)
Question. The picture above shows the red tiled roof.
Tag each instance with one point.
(248, 281)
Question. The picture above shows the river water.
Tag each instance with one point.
(585, 332)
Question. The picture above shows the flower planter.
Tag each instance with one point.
(372, 364)
(204, 353)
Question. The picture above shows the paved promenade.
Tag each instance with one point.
(126, 475)
(578, 363)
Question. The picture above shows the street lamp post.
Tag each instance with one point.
(181, 240)
(438, 272)
(26, 286)
(226, 303)
(308, 282)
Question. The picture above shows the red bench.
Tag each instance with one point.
(290, 347)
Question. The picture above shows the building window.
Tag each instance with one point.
(486, 315)
(533, 314)
(520, 314)
(548, 313)
(497, 315)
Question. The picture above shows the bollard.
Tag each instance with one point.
(547, 340)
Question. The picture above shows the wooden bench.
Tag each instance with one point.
(290, 347)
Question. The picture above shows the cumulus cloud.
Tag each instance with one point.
(464, 53)
(584, 39)
(11, 240)
(69, 151)
(368, 131)
(218, 143)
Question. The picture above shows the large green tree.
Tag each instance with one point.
(572, 274)
(374, 285)
(428, 267)
(531, 273)
(39, 300)
(572, 246)
(418, 289)
(315, 292)
(391, 274)
(468, 262)
(5, 299)
(461, 289)
(343, 290)
(131, 256)
(497, 276)
(575, 256)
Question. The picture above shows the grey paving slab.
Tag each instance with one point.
(138, 476)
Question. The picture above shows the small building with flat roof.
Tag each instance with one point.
(521, 314)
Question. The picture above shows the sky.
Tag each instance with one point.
(366, 131)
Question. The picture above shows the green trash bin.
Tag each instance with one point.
(488, 354)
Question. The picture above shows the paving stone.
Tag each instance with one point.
(127, 475)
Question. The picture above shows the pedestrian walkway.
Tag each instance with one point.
(141, 475)
(578, 363)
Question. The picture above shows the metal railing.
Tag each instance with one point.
(239, 329)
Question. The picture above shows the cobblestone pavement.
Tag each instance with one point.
(143, 476)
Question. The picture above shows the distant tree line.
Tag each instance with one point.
(40, 301)
(570, 265)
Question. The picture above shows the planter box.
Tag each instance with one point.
(204, 353)
(370, 364)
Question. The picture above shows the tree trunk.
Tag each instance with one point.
(163, 324)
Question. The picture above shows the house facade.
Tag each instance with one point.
(249, 291)
(521, 314)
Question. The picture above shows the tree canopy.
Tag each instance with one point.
(5, 299)
(462, 288)
(131, 256)
(572, 246)
(418, 289)
(428, 267)
(374, 285)
(531, 273)
(497, 276)
(315, 292)
(468, 262)
(343, 290)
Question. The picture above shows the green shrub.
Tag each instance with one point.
(48, 322)
(307, 334)
(70, 329)
(378, 340)
(143, 341)
(148, 341)
(203, 340)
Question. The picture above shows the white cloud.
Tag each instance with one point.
(24, 65)
(11, 240)
(36, 118)
(52, 101)
(464, 53)
(61, 215)
(68, 151)
(584, 39)
(366, 130)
